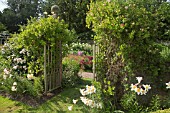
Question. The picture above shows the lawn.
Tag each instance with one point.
(58, 104)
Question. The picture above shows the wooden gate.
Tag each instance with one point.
(52, 65)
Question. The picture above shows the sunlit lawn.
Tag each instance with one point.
(58, 104)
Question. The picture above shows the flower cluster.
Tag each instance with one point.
(140, 89)
(88, 90)
(88, 102)
(14, 87)
(168, 85)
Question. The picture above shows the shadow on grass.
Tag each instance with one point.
(60, 103)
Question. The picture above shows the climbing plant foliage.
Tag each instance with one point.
(22, 57)
(128, 34)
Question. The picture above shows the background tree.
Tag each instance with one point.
(74, 14)
(18, 12)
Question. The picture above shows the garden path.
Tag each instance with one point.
(86, 75)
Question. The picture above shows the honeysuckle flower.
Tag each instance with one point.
(6, 71)
(75, 101)
(70, 108)
(30, 76)
(168, 85)
(15, 83)
(139, 79)
(147, 87)
(13, 88)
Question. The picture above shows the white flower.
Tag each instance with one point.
(82, 91)
(5, 76)
(13, 88)
(99, 105)
(75, 101)
(84, 100)
(138, 91)
(70, 108)
(30, 76)
(25, 67)
(15, 83)
(147, 87)
(90, 89)
(6, 71)
(15, 67)
(143, 92)
(45, 13)
(22, 51)
(168, 85)
(139, 79)
(10, 75)
(133, 87)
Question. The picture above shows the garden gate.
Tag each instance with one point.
(53, 61)
(52, 66)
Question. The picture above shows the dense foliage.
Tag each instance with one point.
(22, 56)
(128, 35)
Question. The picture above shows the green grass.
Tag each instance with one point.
(162, 111)
(58, 104)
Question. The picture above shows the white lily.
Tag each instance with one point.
(139, 79)
(75, 101)
(70, 108)
(168, 85)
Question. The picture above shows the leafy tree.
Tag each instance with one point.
(19, 12)
(74, 14)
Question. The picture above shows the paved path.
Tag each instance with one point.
(86, 75)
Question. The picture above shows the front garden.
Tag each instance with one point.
(131, 62)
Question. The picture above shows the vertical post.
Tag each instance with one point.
(45, 71)
(94, 58)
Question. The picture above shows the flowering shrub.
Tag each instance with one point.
(81, 48)
(70, 72)
(17, 76)
(86, 63)
(22, 59)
